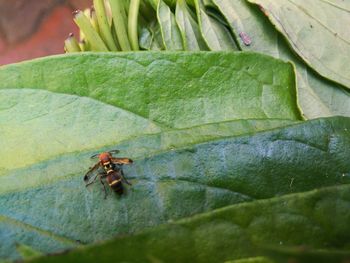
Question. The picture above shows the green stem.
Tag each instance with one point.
(119, 22)
(132, 23)
(83, 46)
(93, 19)
(89, 32)
(71, 44)
(103, 24)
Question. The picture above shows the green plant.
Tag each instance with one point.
(225, 167)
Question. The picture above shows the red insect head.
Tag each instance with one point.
(105, 157)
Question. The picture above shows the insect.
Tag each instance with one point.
(111, 171)
(245, 38)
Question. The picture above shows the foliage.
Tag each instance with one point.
(225, 170)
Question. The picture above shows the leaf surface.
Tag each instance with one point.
(172, 38)
(49, 126)
(216, 36)
(36, 125)
(234, 231)
(58, 133)
(317, 96)
(251, 260)
(304, 254)
(52, 198)
(173, 90)
(150, 37)
(189, 29)
(307, 24)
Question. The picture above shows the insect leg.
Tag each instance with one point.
(104, 187)
(91, 181)
(122, 175)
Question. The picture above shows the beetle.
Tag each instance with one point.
(111, 171)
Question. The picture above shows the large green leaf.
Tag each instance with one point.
(27, 252)
(317, 96)
(50, 197)
(36, 125)
(15, 233)
(50, 125)
(42, 196)
(316, 32)
(176, 89)
(317, 219)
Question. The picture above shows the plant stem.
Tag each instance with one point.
(89, 32)
(132, 23)
(119, 22)
(71, 44)
(83, 46)
(93, 19)
(103, 24)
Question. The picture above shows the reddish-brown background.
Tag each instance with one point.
(35, 28)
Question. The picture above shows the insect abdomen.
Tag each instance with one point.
(115, 182)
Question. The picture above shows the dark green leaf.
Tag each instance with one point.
(14, 232)
(251, 260)
(52, 198)
(318, 218)
(303, 254)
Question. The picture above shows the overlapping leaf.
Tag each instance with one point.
(316, 32)
(171, 35)
(51, 199)
(59, 132)
(216, 36)
(235, 231)
(175, 90)
(60, 129)
(189, 28)
(305, 254)
(317, 96)
(203, 27)
(36, 125)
